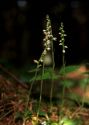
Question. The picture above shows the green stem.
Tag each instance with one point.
(40, 98)
(29, 92)
(63, 92)
(52, 82)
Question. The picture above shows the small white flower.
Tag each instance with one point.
(60, 44)
(36, 61)
(44, 123)
(50, 36)
(48, 42)
(41, 60)
(54, 38)
(65, 35)
(66, 46)
(44, 31)
(45, 52)
(63, 50)
(44, 39)
(45, 44)
(48, 32)
(48, 48)
(60, 41)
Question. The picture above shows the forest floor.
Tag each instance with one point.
(14, 102)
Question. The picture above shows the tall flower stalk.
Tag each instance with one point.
(62, 43)
(48, 42)
(48, 46)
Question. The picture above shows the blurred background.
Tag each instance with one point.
(21, 30)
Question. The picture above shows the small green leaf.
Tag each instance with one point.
(68, 69)
(42, 114)
(54, 123)
(27, 113)
(67, 83)
(84, 82)
(48, 74)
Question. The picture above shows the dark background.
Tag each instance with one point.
(21, 25)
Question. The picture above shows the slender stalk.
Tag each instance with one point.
(40, 98)
(29, 92)
(52, 81)
(63, 91)
(62, 43)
